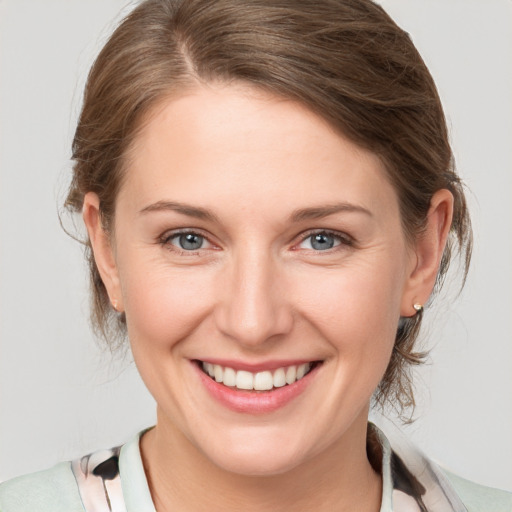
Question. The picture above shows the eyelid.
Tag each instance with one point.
(166, 237)
(344, 238)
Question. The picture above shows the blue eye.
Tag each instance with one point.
(322, 241)
(188, 241)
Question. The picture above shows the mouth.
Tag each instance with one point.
(261, 381)
(256, 389)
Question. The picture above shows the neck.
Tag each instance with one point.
(181, 478)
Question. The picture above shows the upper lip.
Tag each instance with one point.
(254, 367)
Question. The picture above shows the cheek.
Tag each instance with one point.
(356, 308)
(163, 305)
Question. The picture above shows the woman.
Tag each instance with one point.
(270, 200)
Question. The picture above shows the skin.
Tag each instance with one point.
(257, 290)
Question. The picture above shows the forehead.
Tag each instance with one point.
(216, 144)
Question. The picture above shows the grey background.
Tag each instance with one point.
(61, 395)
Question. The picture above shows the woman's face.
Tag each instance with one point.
(253, 241)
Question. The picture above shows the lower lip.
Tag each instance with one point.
(255, 402)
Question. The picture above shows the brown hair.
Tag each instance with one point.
(346, 60)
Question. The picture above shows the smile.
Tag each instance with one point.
(258, 381)
(262, 389)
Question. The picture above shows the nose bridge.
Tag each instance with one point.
(254, 306)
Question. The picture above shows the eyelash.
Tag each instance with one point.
(166, 238)
(343, 239)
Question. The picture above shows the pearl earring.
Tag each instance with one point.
(418, 308)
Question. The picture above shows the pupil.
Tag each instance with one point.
(322, 241)
(191, 241)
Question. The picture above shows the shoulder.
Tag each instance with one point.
(52, 490)
(479, 498)
(408, 473)
(104, 480)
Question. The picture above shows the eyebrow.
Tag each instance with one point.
(315, 212)
(184, 209)
(319, 212)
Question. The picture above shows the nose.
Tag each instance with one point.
(253, 307)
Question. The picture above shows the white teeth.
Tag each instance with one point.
(291, 374)
(244, 380)
(263, 381)
(260, 381)
(302, 370)
(279, 378)
(229, 377)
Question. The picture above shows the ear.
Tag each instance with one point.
(427, 253)
(102, 249)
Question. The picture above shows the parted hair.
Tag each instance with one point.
(345, 60)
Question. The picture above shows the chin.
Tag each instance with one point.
(255, 457)
(259, 465)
